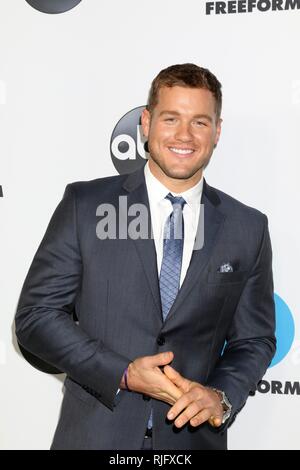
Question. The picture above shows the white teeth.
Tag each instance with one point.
(181, 151)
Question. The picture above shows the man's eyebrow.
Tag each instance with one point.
(204, 116)
(162, 113)
(176, 113)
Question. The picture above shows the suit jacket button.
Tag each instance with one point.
(161, 340)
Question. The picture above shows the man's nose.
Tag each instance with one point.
(183, 133)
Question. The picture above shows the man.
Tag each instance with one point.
(172, 333)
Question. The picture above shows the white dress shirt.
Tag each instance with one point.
(161, 208)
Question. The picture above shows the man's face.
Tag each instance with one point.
(182, 131)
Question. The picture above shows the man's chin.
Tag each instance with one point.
(178, 172)
(181, 175)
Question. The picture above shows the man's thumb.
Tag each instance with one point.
(163, 358)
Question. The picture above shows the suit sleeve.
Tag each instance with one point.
(44, 318)
(251, 342)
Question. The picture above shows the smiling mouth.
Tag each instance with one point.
(181, 151)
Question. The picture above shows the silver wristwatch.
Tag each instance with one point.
(227, 406)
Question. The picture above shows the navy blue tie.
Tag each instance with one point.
(169, 279)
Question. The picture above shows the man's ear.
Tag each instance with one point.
(145, 119)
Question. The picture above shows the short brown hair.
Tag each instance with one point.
(186, 75)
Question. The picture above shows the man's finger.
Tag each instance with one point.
(201, 417)
(214, 421)
(179, 406)
(160, 359)
(171, 393)
(176, 378)
(192, 410)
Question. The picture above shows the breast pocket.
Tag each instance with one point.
(234, 277)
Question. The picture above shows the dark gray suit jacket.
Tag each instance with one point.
(112, 286)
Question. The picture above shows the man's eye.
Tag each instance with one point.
(200, 123)
(170, 119)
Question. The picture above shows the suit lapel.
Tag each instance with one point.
(137, 194)
(210, 224)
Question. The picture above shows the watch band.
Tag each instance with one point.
(227, 406)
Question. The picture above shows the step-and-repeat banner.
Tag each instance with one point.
(74, 77)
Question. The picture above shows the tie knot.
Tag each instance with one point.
(176, 200)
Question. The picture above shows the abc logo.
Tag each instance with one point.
(53, 6)
(128, 147)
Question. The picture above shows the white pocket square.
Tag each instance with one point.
(225, 268)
